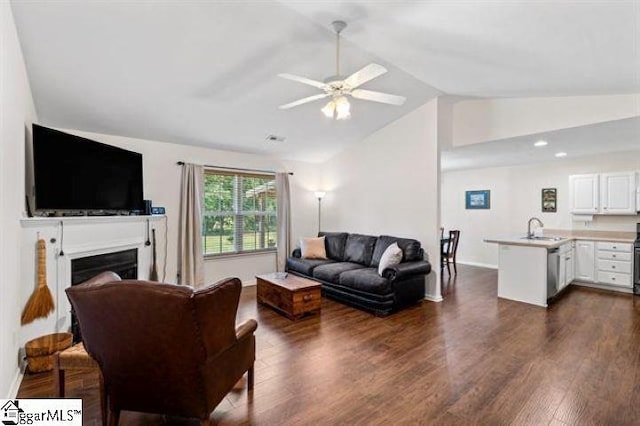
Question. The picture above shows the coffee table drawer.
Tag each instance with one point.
(306, 301)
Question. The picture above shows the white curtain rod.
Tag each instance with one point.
(181, 163)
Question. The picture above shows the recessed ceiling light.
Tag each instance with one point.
(541, 143)
(561, 154)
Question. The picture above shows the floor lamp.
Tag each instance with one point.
(319, 195)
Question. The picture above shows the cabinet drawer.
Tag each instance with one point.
(624, 247)
(614, 255)
(614, 266)
(614, 278)
(307, 301)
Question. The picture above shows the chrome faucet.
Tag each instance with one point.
(529, 233)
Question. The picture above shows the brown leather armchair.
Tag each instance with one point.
(164, 348)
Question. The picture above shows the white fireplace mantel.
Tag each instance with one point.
(77, 237)
(29, 222)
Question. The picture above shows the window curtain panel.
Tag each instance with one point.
(190, 256)
(283, 200)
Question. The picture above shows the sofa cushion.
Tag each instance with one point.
(359, 248)
(331, 272)
(334, 243)
(391, 256)
(410, 248)
(313, 248)
(305, 266)
(367, 280)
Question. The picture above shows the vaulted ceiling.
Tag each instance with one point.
(204, 73)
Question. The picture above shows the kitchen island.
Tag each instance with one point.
(524, 268)
(532, 270)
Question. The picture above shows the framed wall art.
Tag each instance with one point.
(549, 200)
(478, 200)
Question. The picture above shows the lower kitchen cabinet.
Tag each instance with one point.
(585, 262)
(604, 262)
(614, 264)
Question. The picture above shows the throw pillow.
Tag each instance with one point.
(391, 256)
(313, 248)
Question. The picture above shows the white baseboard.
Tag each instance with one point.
(482, 265)
(431, 298)
(603, 287)
(15, 384)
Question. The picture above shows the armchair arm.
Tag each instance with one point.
(246, 329)
(405, 269)
(297, 253)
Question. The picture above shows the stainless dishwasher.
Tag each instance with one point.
(553, 271)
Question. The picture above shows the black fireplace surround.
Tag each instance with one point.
(124, 263)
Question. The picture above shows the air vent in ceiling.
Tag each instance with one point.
(275, 138)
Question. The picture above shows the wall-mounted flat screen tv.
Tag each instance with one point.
(75, 173)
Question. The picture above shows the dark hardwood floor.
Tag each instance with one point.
(472, 359)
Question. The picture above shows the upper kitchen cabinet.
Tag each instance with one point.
(583, 193)
(618, 193)
(605, 193)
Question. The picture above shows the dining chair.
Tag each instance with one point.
(451, 251)
(443, 242)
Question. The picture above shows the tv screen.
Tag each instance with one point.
(74, 173)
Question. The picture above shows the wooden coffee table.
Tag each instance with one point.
(292, 296)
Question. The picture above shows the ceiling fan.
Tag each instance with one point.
(338, 88)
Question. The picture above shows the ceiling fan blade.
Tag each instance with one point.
(303, 80)
(367, 73)
(384, 98)
(303, 101)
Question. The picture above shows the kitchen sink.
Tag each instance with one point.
(544, 238)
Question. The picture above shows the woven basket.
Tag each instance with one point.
(40, 351)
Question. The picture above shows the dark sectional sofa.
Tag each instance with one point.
(350, 274)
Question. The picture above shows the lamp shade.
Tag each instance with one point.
(328, 109)
(343, 108)
(319, 194)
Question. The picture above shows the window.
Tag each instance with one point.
(239, 212)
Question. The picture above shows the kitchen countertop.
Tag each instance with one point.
(520, 240)
(614, 236)
(567, 235)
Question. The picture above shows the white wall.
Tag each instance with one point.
(162, 186)
(17, 111)
(485, 120)
(388, 183)
(515, 197)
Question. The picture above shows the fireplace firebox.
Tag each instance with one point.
(124, 263)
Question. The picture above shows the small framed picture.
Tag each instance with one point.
(478, 200)
(549, 200)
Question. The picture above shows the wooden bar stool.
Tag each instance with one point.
(77, 358)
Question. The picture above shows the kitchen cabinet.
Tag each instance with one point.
(584, 193)
(570, 266)
(562, 272)
(614, 263)
(604, 193)
(618, 193)
(566, 272)
(585, 261)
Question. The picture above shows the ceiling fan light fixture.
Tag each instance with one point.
(338, 86)
(328, 109)
(343, 108)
